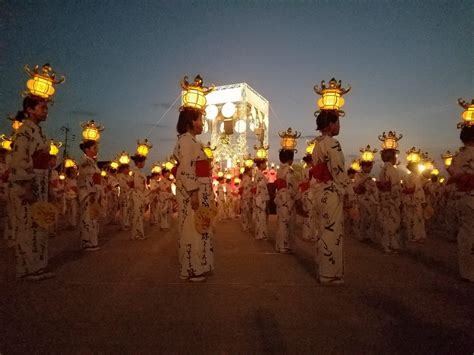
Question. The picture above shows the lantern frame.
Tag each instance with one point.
(367, 154)
(468, 114)
(331, 96)
(124, 158)
(194, 95)
(54, 147)
(413, 155)
(390, 140)
(42, 81)
(143, 148)
(289, 139)
(91, 131)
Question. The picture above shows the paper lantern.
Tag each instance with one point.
(413, 155)
(143, 148)
(468, 114)
(42, 81)
(390, 140)
(194, 95)
(54, 147)
(91, 131)
(331, 95)
(288, 139)
(124, 158)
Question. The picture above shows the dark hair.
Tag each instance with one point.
(86, 145)
(70, 172)
(307, 158)
(30, 102)
(467, 134)
(351, 171)
(326, 117)
(165, 171)
(286, 155)
(259, 161)
(138, 158)
(366, 163)
(186, 118)
(20, 116)
(434, 178)
(122, 167)
(388, 154)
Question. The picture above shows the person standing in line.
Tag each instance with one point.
(153, 197)
(332, 186)
(137, 197)
(246, 200)
(124, 180)
(261, 199)
(71, 193)
(165, 200)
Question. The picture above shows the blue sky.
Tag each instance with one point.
(407, 61)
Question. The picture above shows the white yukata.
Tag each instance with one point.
(196, 255)
(286, 192)
(124, 181)
(332, 184)
(222, 201)
(28, 178)
(390, 217)
(137, 203)
(165, 203)
(309, 228)
(246, 203)
(71, 194)
(88, 183)
(261, 199)
(153, 198)
(111, 196)
(413, 204)
(462, 170)
(367, 201)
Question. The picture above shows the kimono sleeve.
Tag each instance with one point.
(20, 164)
(336, 167)
(186, 169)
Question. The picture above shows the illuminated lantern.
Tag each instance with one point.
(248, 162)
(114, 164)
(220, 174)
(288, 139)
(69, 163)
(368, 154)
(228, 176)
(143, 148)
(103, 173)
(468, 114)
(91, 131)
(413, 155)
(124, 158)
(240, 126)
(331, 96)
(130, 173)
(355, 165)
(390, 140)
(236, 180)
(208, 151)
(156, 169)
(62, 176)
(211, 112)
(435, 172)
(54, 147)
(261, 151)
(447, 158)
(6, 142)
(442, 180)
(421, 167)
(169, 165)
(228, 110)
(429, 164)
(310, 147)
(42, 81)
(194, 95)
(242, 170)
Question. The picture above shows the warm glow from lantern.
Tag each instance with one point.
(156, 169)
(421, 167)
(435, 172)
(143, 150)
(211, 112)
(468, 115)
(6, 143)
(114, 164)
(91, 131)
(220, 174)
(390, 143)
(169, 165)
(242, 169)
(62, 176)
(413, 157)
(288, 143)
(428, 165)
(130, 173)
(194, 98)
(124, 159)
(16, 125)
(331, 100)
(54, 148)
(40, 86)
(310, 148)
(368, 156)
(261, 153)
(69, 163)
(236, 180)
(103, 173)
(355, 165)
(208, 152)
(448, 161)
(442, 180)
(228, 176)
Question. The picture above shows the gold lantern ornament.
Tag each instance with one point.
(114, 164)
(194, 94)
(468, 114)
(103, 173)
(261, 151)
(169, 165)
(447, 158)
(62, 177)
(69, 163)
(156, 169)
(288, 139)
(310, 146)
(42, 81)
(220, 174)
(331, 96)
(124, 158)
(414, 155)
(54, 147)
(435, 172)
(367, 154)
(228, 176)
(390, 140)
(6, 142)
(355, 165)
(91, 131)
(143, 148)
(248, 161)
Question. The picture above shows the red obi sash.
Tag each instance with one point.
(304, 186)
(409, 191)
(97, 179)
(384, 186)
(321, 172)
(280, 184)
(41, 160)
(465, 183)
(360, 190)
(203, 168)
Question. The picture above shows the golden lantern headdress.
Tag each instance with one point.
(355, 165)
(42, 81)
(169, 165)
(288, 139)
(367, 154)
(156, 168)
(114, 165)
(143, 148)
(447, 158)
(468, 114)
(390, 140)
(194, 95)
(54, 147)
(91, 131)
(103, 173)
(6, 142)
(261, 151)
(413, 155)
(331, 96)
(248, 161)
(69, 163)
(124, 158)
(208, 150)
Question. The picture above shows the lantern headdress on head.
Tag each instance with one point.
(447, 158)
(124, 158)
(331, 96)
(355, 165)
(248, 161)
(468, 114)
(156, 168)
(390, 140)
(413, 155)
(368, 154)
(143, 148)
(427, 162)
(194, 95)
(69, 163)
(54, 147)
(261, 151)
(42, 81)
(6, 142)
(114, 165)
(91, 131)
(288, 139)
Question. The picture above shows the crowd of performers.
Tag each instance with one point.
(324, 204)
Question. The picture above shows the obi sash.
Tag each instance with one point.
(203, 168)
(41, 160)
(384, 186)
(321, 172)
(280, 184)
